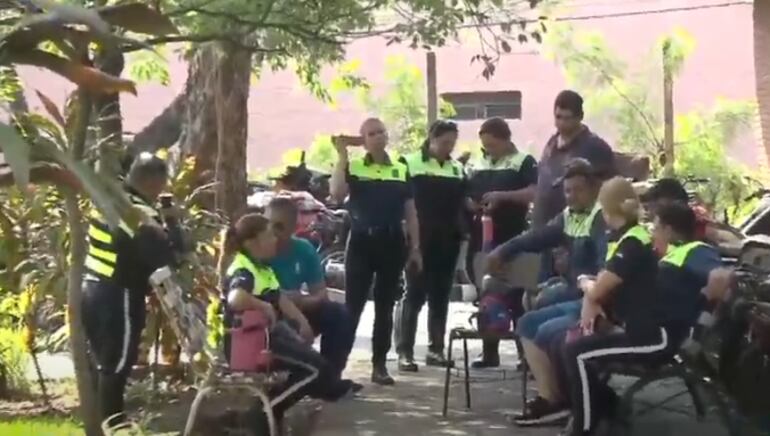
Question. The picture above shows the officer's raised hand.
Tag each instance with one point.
(342, 142)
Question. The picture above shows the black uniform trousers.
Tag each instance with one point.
(113, 319)
(433, 283)
(375, 256)
(590, 398)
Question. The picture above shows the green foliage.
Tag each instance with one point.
(41, 427)
(629, 103)
(14, 360)
(305, 36)
(700, 139)
(145, 66)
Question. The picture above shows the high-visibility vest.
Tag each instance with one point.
(676, 255)
(393, 172)
(578, 224)
(102, 256)
(432, 168)
(511, 162)
(637, 232)
(265, 280)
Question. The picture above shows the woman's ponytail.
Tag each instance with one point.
(229, 245)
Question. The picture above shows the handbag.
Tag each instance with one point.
(250, 342)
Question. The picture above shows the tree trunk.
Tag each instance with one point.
(762, 69)
(86, 383)
(199, 136)
(217, 94)
(233, 80)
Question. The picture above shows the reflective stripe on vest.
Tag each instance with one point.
(578, 224)
(510, 162)
(393, 172)
(432, 168)
(102, 256)
(264, 278)
(677, 254)
(637, 232)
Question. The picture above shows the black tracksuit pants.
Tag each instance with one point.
(433, 283)
(375, 257)
(113, 319)
(590, 398)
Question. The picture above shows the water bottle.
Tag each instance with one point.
(487, 233)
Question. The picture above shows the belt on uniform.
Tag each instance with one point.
(377, 230)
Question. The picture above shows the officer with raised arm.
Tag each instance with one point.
(380, 201)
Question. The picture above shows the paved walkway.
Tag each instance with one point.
(413, 406)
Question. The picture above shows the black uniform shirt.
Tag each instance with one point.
(378, 193)
(636, 302)
(439, 194)
(510, 173)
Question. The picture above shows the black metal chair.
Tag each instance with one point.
(465, 334)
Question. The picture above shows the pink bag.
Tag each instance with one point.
(249, 342)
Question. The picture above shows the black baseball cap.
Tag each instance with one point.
(576, 167)
(667, 188)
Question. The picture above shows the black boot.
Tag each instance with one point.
(381, 376)
(406, 363)
(490, 356)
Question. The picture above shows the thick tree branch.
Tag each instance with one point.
(164, 130)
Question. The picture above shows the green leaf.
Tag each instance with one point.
(16, 152)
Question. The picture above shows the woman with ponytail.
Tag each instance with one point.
(250, 284)
(438, 185)
(624, 294)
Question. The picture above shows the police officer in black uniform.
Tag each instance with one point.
(380, 201)
(501, 185)
(118, 265)
(438, 183)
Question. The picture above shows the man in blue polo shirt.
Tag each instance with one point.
(301, 276)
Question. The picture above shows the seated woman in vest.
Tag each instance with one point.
(251, 285)
(633, 294)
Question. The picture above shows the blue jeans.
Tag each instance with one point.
(333, 323)
(541, 326)
(559, 292)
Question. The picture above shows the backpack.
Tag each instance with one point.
(495, 315)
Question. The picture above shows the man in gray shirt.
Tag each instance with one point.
(572, 140)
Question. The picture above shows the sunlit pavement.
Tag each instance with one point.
(413, 406)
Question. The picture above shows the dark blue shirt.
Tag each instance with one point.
(681, 285)
(378, 193)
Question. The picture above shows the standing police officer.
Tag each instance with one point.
(438, 184)
(380, 200)
(501, 186)
(118, 265)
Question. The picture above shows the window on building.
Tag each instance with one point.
(483, 105)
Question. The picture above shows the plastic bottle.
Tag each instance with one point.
(487, 233)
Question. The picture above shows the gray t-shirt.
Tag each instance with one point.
(549, 200)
